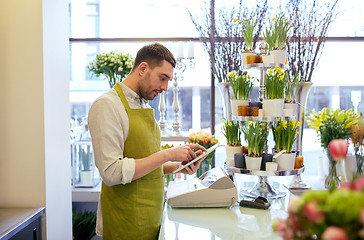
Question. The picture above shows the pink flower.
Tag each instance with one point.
(335, 233)
(346, 186)
(313, 213)
(338, 149)
(359, 184)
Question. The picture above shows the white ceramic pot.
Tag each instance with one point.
(286, 161)
(238, 102)
(290, 109)
(244, 56)
(350, 167)
(253, 163)
(279, 56)
(273, 107)
(230, 151)
(268, 59)
(86, 178)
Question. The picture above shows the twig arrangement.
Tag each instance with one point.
(222, 37)
(311, 21)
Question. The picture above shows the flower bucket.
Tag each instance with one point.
(235, 103)
(279, 56)
(273, 107)
(286, 161)
(244, 56)
(253, 163)
(290, 109)
(230, 151)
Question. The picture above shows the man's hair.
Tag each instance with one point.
(154, 54)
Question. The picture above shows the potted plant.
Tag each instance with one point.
(248, 35)
(274, 85)
(276, 35)
(114, 65)
(242, 87)
(86, 173)
(256, 134)
(332, 124)
(232, 133)
(207, 140)
(291, 89)
(284, 135)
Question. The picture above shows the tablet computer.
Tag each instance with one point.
(208, 151)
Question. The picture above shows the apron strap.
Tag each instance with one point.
(122, 96)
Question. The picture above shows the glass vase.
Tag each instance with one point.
(332, 179)
(205, 165)
(359, 154)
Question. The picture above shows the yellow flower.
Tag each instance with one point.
(270, 71)
(235, 20)
(273, 19)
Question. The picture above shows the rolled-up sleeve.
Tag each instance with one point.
(109, 126)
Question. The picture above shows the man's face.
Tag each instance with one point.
(155, 81)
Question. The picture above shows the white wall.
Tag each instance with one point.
(34, 141)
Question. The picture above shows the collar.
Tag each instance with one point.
(131, 94)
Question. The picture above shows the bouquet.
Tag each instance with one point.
(336, 214)
(114, 65)
(284, 134)
(241, 85)
(256, 134)
(275, 83)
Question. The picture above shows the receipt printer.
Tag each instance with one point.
(213, 189)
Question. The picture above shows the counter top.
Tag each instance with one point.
(13, 220)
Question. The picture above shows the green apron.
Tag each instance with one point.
(133, 211)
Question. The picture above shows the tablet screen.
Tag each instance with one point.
(208, 151)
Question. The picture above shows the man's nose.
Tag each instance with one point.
(165, 86)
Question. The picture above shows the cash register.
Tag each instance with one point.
(214, 188)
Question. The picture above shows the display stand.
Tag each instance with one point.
(262, 187)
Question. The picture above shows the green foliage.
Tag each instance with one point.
(232, 132)
(114, 65)
(256, 134)
(86, 157)
(241, 85)
(84, 225)
(276, 32)
(275, 83)
(284, 134)
(248, 32)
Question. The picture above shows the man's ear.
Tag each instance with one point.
(142, 67)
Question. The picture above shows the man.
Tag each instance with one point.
(126, 143)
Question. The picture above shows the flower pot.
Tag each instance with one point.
(244, 56)
(268, 59)
(253, 163)
(86, 178)
(239, 160)
(273, 107)
(286, 161)
(230, 151)
(279, 56)
(235, 103)
(290, 109)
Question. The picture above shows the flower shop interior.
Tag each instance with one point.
(272, 85)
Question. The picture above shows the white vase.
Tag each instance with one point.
(290, 109)
(273, 107)
(86, 178)
(244, 56)
(230, 151)
(253, 163)
(279, 56)
(238, 102)
(350, 167)
(286, 161)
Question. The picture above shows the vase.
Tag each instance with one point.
(86, 178)
(359, 154)
(279, 56)
(235, 103)
(205, 165)
(253, 163)
(224, 88)
(350, 167)
(332, 179)
(230, 152)
(286, 161)
(273, 107)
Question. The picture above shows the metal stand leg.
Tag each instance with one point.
(264, 189)
(298, 184)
